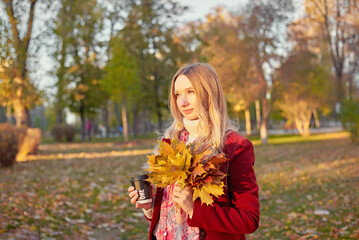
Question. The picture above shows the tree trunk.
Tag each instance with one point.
(316, 119)
(82, 116)
(299, 126)
(124, 118)
(263, 132)
(340, 88)
(303, 122)
(135, 121)
(21, 47)
(157, 103)
(118, 117)
(59, 116)
(306, 129)
(2, 114)
(146, 122)
(248, 121)
(336, 46)
(258, 114)
(351, 86)
(306, 124)
(22, 115)
(61, 86)
(105, 117)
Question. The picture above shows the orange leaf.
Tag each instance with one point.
(218, 159)
(208, 166)
(198, 170)
(207, 179)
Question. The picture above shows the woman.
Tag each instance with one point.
(199, 113)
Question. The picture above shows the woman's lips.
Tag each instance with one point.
(187, 111)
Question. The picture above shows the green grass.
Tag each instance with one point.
(74, 198)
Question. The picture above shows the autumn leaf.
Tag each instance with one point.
(193, 165)
(151, 159)
(218, 159)
(216, 190)
(203, 194)
(180, 147)
(208, 166)
(198, 170)
(166, 149)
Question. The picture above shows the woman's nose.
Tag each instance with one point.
(183, 101)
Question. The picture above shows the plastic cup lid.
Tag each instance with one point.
(138, 178)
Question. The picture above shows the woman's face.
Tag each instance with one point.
(185, 97)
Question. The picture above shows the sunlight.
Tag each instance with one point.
(83, 155)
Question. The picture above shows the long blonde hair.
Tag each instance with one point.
(211, 105)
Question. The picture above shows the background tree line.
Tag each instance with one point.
(113, 60)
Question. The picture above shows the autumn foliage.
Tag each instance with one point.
(61, 131)
(29, 142)
(192, 165)
(9, 144)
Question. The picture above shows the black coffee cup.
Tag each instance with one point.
(143, 187)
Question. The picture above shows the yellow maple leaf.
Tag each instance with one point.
(181, 146)
(216, 190)
(165, 149)
(203, 195)
(151, 159)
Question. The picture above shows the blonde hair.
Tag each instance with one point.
(211, 105)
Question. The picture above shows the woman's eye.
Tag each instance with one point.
(176, 95)
(190, 92)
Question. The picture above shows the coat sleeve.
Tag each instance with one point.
(242, 217)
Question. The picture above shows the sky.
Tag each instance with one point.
(200, 8)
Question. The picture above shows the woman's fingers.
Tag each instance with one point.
(177, 189)
(134, 199)
(133, 194)
(130, 189)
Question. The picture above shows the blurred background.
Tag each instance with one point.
(283, 64)
(97, 72)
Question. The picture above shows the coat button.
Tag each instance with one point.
(202, 234)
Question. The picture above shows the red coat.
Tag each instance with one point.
(237, 211)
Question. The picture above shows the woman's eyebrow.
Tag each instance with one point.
(186, 89)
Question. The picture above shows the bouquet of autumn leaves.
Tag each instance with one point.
(192, 165)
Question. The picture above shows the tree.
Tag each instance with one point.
(62, 28)
(115, 13)
(262, 21)
(16, 40)
(303, 87)
(122, 80)
(338, 18)
(83, 48)
(147, 35)
(231, 58)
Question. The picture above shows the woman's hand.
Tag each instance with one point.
(133, 193)
(184, 198)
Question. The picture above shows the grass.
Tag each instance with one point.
(46, 139)
(74, 197)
